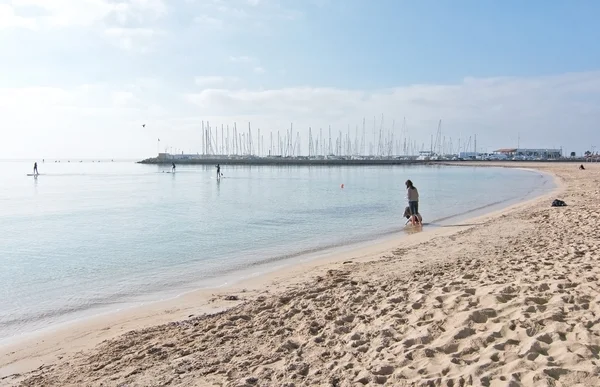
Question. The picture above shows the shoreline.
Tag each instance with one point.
(276, 263)
(336, 161)
(40, 348)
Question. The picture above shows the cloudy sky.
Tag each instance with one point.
(78, 78)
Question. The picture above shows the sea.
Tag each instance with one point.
(86, 238)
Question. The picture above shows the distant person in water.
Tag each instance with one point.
(413, 202)
(35, 171)
(582, 167)
(173, 167)
(218, 171)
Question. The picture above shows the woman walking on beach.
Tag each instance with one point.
(413, 202)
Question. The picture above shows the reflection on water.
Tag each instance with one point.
(413, 229)
(91, 235)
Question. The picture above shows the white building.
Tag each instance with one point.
(542, 153)
(468, 155)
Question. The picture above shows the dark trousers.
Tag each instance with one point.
(414, 207)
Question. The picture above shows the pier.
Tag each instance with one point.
(212, 160)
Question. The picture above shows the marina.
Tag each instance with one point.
(378, 145)
(381, 146)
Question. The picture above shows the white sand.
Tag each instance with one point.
(508, 299)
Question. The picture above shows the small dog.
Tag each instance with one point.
(417, 218)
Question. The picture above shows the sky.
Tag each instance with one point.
(79, 78)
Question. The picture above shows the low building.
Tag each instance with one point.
(468, 155)
(542, 153)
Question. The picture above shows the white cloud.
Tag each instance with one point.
(124, 32)
(8, 19)
(543, 110)
(208, 22)
(145, 83)
(84, 121)
(261, 11)
(123, 98)
(65, 13)
(11, 98)
(246, 16)
(79, 13)
(158, 7)
(133, 39)
(105, 120)
(259, 70)
(86, 96)
(140, 11)
(215, 80)
(130, 24)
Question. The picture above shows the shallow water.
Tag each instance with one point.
(89, 237)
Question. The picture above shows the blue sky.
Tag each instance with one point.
(82, 75)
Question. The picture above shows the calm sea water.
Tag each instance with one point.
(89, 237)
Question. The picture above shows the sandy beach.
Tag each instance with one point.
(511, 298)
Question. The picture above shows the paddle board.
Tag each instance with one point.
(34, 174)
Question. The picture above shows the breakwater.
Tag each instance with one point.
(282, 161)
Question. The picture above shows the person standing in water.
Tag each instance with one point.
(413, 202)
(173, 168)
(35, 171)
(218, 171)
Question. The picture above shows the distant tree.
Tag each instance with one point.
(587, 153)
(573, 154)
